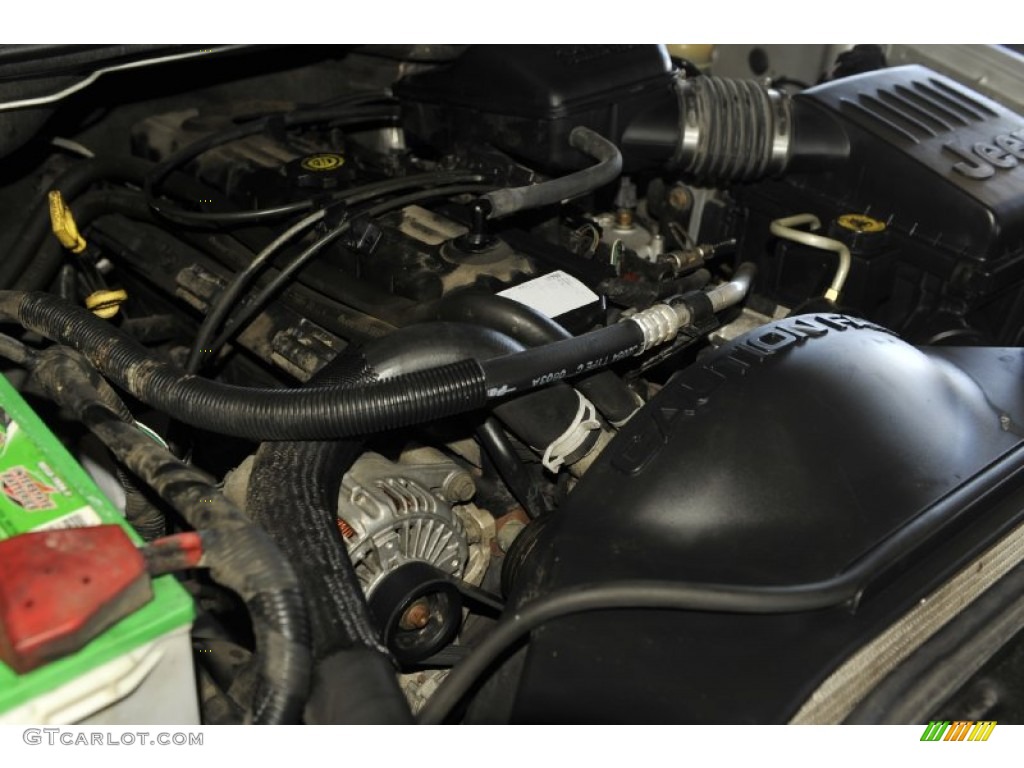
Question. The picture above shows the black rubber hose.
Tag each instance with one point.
(240, 555)
(505, 202)
(428, 345)
(510, 468)
(562, 359)
(624, 595)
(604, 389)
(259, 414)
(537, 418)
(322, 412)
(518, 321)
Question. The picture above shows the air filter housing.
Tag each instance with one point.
(788, 457)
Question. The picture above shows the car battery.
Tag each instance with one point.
(140, 669)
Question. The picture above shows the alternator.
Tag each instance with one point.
(412, 536)
(391, 514)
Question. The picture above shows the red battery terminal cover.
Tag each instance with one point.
(60, 589)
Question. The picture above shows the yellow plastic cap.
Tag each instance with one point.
(105, 304)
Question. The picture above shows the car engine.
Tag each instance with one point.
(508, 384)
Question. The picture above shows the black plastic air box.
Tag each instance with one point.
(942, 168)
(525, 99)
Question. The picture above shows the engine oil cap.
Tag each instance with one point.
(320, 170)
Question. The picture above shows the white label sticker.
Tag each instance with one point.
(84, 517)
(552, 294)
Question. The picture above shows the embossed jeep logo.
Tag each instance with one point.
(980, 162)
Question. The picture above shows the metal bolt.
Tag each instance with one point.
(416, 616)
(679, 197)
(458, 486)
(508, 533)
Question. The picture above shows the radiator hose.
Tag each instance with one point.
(526, 325)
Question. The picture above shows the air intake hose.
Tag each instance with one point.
(725, 131)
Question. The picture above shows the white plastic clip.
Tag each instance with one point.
(569, 441)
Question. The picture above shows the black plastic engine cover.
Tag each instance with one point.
(943, 168)
(783, 458)
(930, 155)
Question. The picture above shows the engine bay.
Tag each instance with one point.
(512, 384)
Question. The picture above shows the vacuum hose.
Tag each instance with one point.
(505, 202)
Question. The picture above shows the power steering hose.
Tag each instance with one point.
(325, 412)
(526, 325)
